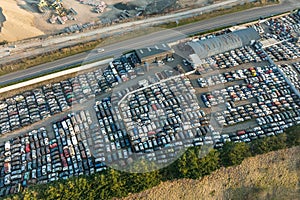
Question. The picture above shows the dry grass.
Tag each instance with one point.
(25, 63)
(275, 175)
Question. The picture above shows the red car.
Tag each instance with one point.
(27, 148)
(242, 132)
(66, 152)
(53, 145)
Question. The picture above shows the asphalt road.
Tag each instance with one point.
(163, 36)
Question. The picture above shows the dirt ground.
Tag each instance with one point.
(275, 175)
(23, 13)
(19, 23)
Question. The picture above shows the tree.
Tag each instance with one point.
(234, 153)
(293, 136)
(188, 164)
(136, 182)
(268, 144)
(209, 163)
(114, 183)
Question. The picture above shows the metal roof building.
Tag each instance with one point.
(222, 43)
(159, 51)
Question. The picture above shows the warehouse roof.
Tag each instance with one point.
(152, 51)
(222, 43)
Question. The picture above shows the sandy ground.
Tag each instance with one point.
(24, 21)
(84, 15)
(19, 23)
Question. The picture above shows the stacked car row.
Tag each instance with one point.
(75, 151)
(273, 95)
(50, 99)
(119, 70)
(270, 125)
(212, 80)
(282, 27)
(279, 28)
(156, 114)
(234, 115)
(261, 82)
(297, 66)
(236, 57)
(153, 118)
(232, 58)
(284, 51)
(22, 110)
(28, 159)
(283, 120)
(291, 74)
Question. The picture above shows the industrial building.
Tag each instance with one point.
(155, 53)
(222, 43)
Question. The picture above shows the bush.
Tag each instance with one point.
(234, 153)
(293, 136)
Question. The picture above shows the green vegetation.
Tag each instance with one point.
(112, 183)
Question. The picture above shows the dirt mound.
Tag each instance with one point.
(19, 23)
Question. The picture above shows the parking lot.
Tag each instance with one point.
(32, 106)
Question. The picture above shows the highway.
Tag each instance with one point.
(163, 36)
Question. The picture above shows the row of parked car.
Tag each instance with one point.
(297, 66)
(40, 103)
(272, 93)
(279, 28)
(270, 125)
(222, 78)
(291, 74)
(261, 82)
(73, 134)
(29, 159)
(284, 51)
(111, 142)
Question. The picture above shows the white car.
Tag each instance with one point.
(7, 179)
(100, 50)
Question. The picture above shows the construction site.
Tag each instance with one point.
(78, 12)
